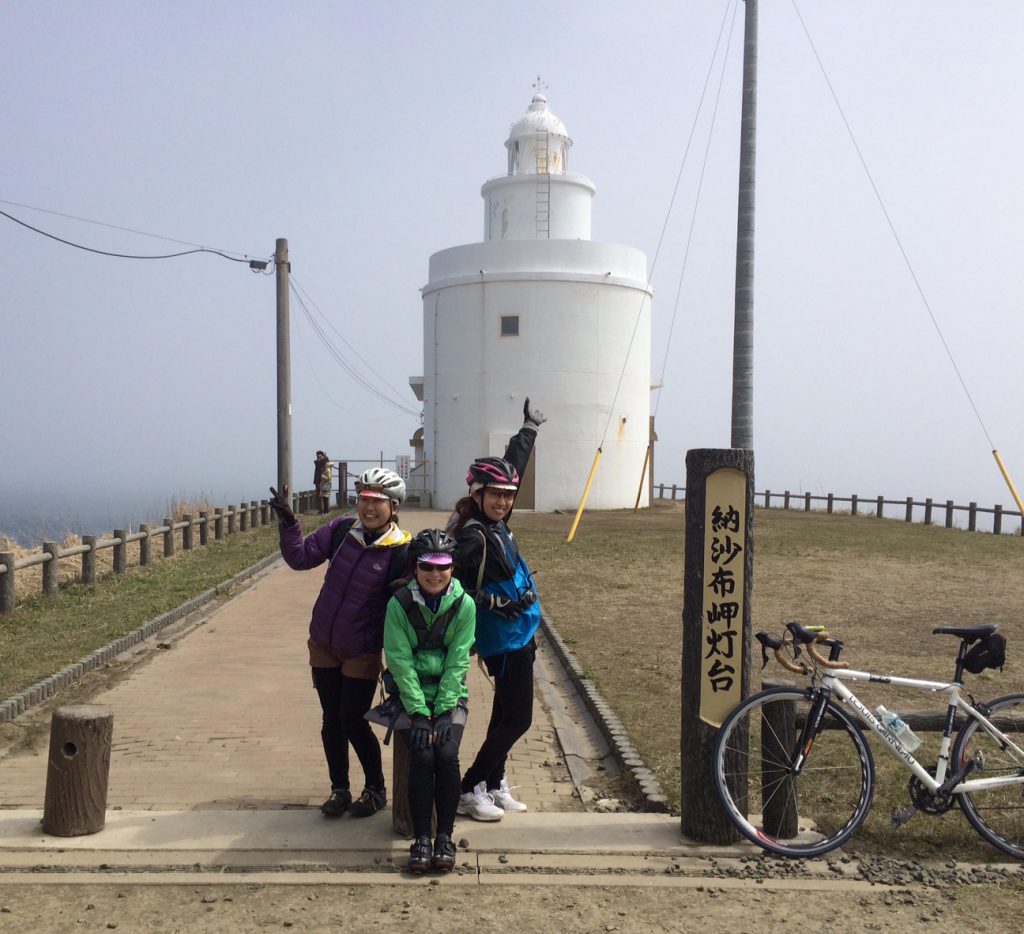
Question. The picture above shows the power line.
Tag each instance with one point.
(892, 227)
(340, 359)
(396, 394)
(89, 249)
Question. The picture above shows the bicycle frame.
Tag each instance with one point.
(831, 680)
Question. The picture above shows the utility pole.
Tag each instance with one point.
(284, 371)
(743, 327)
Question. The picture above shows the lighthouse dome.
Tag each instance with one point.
(538, 142)
(538, 119)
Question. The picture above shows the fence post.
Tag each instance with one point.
(928, 511)
(204, 527)
(121, 551)
(7, 597)
(144, 551)
(910, 509)
(778, 736)
(186, 532)
(254, 514)
(229, 511)
(89, 560)
(767, 499)
(218, 523)
(243, 518)
(949, 513)
(807, 502)
(264, 512)
(853, 505)
(831, 500)
(972, 517)
(785, 500)
(673, 492)
(878, 507)
(997, 520)
(661, 491)
(169, 537)
(342, 483)
(50, 569)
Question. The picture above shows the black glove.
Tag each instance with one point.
(419, 732)
(281, 508)
(503, 606)
(532, 416)
(442, 728)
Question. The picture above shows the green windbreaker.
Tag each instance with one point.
(409, 667)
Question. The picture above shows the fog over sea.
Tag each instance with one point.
(32, 517)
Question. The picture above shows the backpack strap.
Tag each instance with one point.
(340, 531)
(427, 637)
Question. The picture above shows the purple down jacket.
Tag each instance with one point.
(348, 616)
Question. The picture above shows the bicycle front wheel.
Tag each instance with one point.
(996, 813)
(791, 813)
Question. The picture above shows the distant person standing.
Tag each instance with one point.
(366, 556)
(323, 481)
(492, 571)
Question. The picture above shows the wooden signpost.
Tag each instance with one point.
(716, 623)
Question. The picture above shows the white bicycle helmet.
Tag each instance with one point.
(382, 480)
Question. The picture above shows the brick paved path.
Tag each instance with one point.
(227, 717)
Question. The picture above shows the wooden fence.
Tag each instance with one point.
(224, 521)
(928, 507)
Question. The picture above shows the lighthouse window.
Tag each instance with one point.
(510, 325)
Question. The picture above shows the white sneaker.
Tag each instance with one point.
(479, 805)
(503, 798)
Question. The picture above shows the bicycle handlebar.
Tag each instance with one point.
(806, 636)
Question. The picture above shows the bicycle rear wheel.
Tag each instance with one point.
(796, 815)
(997, 813)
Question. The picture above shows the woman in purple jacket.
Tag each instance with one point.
(346, 634)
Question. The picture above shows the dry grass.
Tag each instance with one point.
(615, 595)
(28, 581)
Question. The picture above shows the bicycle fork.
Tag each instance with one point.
(812, 727)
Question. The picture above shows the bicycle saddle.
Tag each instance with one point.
(970, 633)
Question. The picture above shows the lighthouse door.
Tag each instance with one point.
(526, 498)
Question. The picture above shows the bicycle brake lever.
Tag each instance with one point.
(764, 656)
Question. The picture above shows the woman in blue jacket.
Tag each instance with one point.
(492, 571)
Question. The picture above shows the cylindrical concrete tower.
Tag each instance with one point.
(540, 310)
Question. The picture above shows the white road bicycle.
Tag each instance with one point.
(801, 786)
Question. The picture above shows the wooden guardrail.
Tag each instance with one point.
(224, 521)
(929, 508)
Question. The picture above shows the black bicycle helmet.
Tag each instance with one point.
(432, 543)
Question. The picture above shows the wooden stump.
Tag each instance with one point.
(401, 815)
(77, 770)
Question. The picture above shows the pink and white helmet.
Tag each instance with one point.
(492, 471)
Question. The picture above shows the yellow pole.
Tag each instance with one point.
(1009, 483)
(586, 493)
(643, 476)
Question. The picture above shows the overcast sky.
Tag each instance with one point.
(362, 133)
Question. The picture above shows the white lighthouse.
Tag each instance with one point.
(538, 309)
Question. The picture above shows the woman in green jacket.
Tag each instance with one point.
(428, 633)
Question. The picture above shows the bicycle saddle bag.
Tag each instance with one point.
(989, 652)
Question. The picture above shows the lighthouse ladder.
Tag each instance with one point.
(543, 189)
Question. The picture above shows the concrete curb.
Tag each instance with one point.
(43, 690)
(610, 726)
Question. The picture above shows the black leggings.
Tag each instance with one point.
(344, 700)
(511, 715)
(434, 783)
